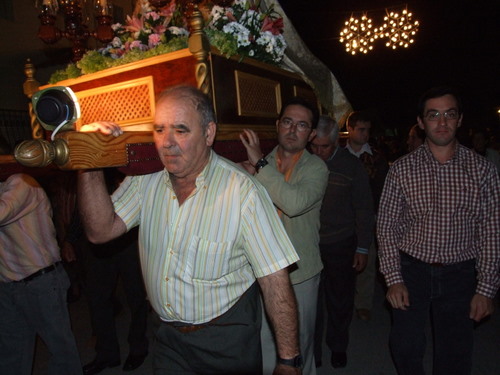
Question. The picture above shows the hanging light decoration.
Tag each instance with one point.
(357, 35)
(399, 29)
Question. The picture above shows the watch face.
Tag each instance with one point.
(261, 163)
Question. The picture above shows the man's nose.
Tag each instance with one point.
(166, 140)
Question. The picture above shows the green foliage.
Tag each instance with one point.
(225, 43)
(93, 61)
(71, 71)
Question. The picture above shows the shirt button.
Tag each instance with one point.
(166, 279)
(174, 197)
(168, 304)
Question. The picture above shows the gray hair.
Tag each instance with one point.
(201, 102)
(328, 127)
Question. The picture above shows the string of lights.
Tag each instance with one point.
(397, 30)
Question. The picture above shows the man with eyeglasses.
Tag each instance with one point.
(439, 244)
(296, 182)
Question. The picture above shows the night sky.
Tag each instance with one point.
(458, 43)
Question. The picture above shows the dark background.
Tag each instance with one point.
(458, 43)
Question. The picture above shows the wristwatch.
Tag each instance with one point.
(294, 362)
(260, 164)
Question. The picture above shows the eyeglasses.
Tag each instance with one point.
(301, 126)
(436, 115)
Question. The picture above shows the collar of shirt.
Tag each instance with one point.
(334, 153)
(366, 148)
(202, 178)
(429, 157)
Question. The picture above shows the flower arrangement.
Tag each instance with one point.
(147, 30)
(243, 29)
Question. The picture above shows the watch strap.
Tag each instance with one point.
(293, 362)
(260, 164)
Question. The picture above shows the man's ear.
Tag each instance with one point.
(210, 133)
(277, 126)
(312, 135)
(460, 120)
(420, 123)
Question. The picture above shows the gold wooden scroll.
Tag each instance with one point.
(31, 86)
(77, 150)
(200, 47)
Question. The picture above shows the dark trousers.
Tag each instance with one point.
(338, 280)
(445, 292)
(227, 346)
(37, 307)
(102, 274)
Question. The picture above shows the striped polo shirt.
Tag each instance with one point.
(199, 258)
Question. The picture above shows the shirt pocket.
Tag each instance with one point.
(465, 202)
(210, 260)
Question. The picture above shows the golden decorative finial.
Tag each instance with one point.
(200, 47)
(31, 86)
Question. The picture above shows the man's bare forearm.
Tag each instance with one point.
(96, 208)
(281, 307)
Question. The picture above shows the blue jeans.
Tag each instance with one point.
(445, 292)
(37, 307)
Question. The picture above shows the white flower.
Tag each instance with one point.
(116, 42)
(251, 19)
(251, 53)
(178, 31)
(216, 14)
(239, 31)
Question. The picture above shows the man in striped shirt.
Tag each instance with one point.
(207, 231)
(438, 232)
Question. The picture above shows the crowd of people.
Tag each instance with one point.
(242, 261)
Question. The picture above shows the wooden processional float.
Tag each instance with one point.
(245, 93)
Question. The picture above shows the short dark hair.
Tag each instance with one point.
(201, 102)
(437, 92)
(297, 100)
(358, 116)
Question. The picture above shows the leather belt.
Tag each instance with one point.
(434, 264)
(40, 272)
(186, 328)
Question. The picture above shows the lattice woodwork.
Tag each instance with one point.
(128, 103)
(257, 96)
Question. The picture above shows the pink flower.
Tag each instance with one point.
(154, 40)
(168, 12)
(159, 29)
(137, 44)
(134, 24)
(274, 26)
(153, 16)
